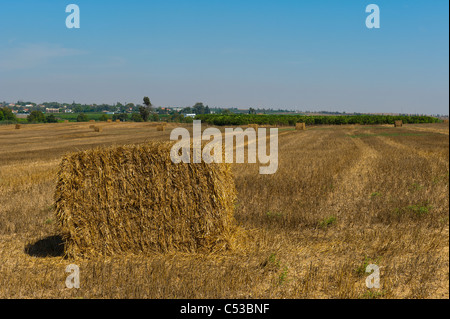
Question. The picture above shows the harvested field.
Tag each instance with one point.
(343, 197)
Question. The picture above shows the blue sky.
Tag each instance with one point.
(305, 55)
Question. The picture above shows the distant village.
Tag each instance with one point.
(23, 109)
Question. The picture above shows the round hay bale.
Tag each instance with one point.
(117, 121)
(98, 129)
(66, 121)
(160, 128)
(18, 126)
(398, 123)
(300, 126)
(134, 200)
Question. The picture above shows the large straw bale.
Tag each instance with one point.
(18, 126)
(98, 128)
(160, 128)
(300, 126)
(398, 123)
(134, 200)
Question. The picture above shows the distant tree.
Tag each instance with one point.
(51, 119)
(82, 117)
(147, 102)
(155, 117)
(136, 117)
(187, 110)
(1, 116)
(176, 117)
(199, 108)
(103, 118)
(8, 115)
(144, 112)
(36, 117)
(123, 117)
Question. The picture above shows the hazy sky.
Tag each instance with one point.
(305, 55)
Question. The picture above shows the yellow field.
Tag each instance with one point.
(343, 197)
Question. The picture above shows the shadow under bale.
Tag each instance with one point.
(52, 246)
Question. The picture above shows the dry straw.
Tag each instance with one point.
(98, 129)
(109, 120)
(398, 123)
(254, 126)
(117, 121)
(161, 128)
(66, 121)
(18, 126)
(135, 200)
(300, 126)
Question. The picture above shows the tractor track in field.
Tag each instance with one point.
(350, 182)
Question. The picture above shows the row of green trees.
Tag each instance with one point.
(39, 117)
(7, 115)
(291, 120)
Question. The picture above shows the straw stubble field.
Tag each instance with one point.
(343, 197)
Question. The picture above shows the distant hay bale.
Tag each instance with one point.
(300, 126)
(398, 123)
(18, 126)
(109, 121)
(98, 129)
(66, 121)
(445, 121)
(163, 123)
(134, 200)
(117, 121)
(91, 121)
(160, 128)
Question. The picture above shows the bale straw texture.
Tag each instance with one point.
(98, 129)
(18, 126)
(300, 126)
(398, 123)
(160, 128)
(254, 126)
(134, 200)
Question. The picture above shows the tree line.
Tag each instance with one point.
(291, 120)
